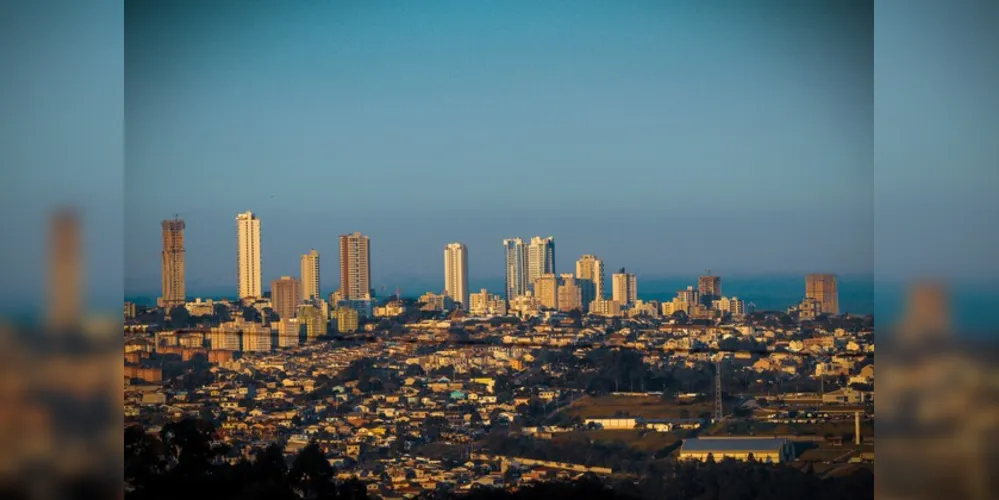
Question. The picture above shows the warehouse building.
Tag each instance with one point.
(773, 450)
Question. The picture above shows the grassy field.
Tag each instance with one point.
(826, 453)
(632, 406)
(650, 442)
(742, 428)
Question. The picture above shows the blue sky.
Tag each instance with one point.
(61, 143)
(776, 136)
(668, 138)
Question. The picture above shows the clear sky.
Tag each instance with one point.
(61, 143)
(666, 137)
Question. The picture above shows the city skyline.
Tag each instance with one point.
(355, 255)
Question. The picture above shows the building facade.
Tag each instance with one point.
(625, 287)
(285, 296)
(546, 290)
(768, 450)
(540, 259)
(248, 256)
(310, 275)
(822, 287)
(484, 303)
(709, 288)
(516, 267)
(591, 269)
(456, 273)
(313, 319)
(570, 294)
(607, 308)
(346, 320)
(355, 267)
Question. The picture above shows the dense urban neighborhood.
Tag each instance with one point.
(422, 398)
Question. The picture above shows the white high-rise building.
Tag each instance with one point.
(310, 276)
(456, 273)
(540, 259)
(625, 288)
(248, 256)
(516, 267)
(355, 267)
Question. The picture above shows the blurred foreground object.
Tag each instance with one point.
(65, 257)
(938, 406)
(61, 386)
(927, 315)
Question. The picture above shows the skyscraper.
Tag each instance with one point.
(516, 267)
(355, 267)
(822, 287)
(248, 255)
(65, 269)
(310, 275)
(709, 288)
(625, 287)
(173, 293)
(285, 296)
(456, 273)
(590, 269)
(540, 259)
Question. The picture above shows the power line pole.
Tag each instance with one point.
(718, 390)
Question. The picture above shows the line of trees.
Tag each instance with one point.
(183, 461)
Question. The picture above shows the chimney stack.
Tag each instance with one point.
(856, 425)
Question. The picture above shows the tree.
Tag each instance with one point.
(143, 455)
(221, 312)
(187, 445)
(680, 317)
(179, 317)
(251, 314)
(311, 473)
(270, 467)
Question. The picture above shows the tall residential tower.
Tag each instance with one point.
(310, 275)
(516, 267)
(709, 288)
(625, 287)
(355, 267)
(456, 273)
(822, 288)
(248, 256)
(540, 259)
(590, 272)
(173, 293)
(285, 297)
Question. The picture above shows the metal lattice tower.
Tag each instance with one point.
(718, 390)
